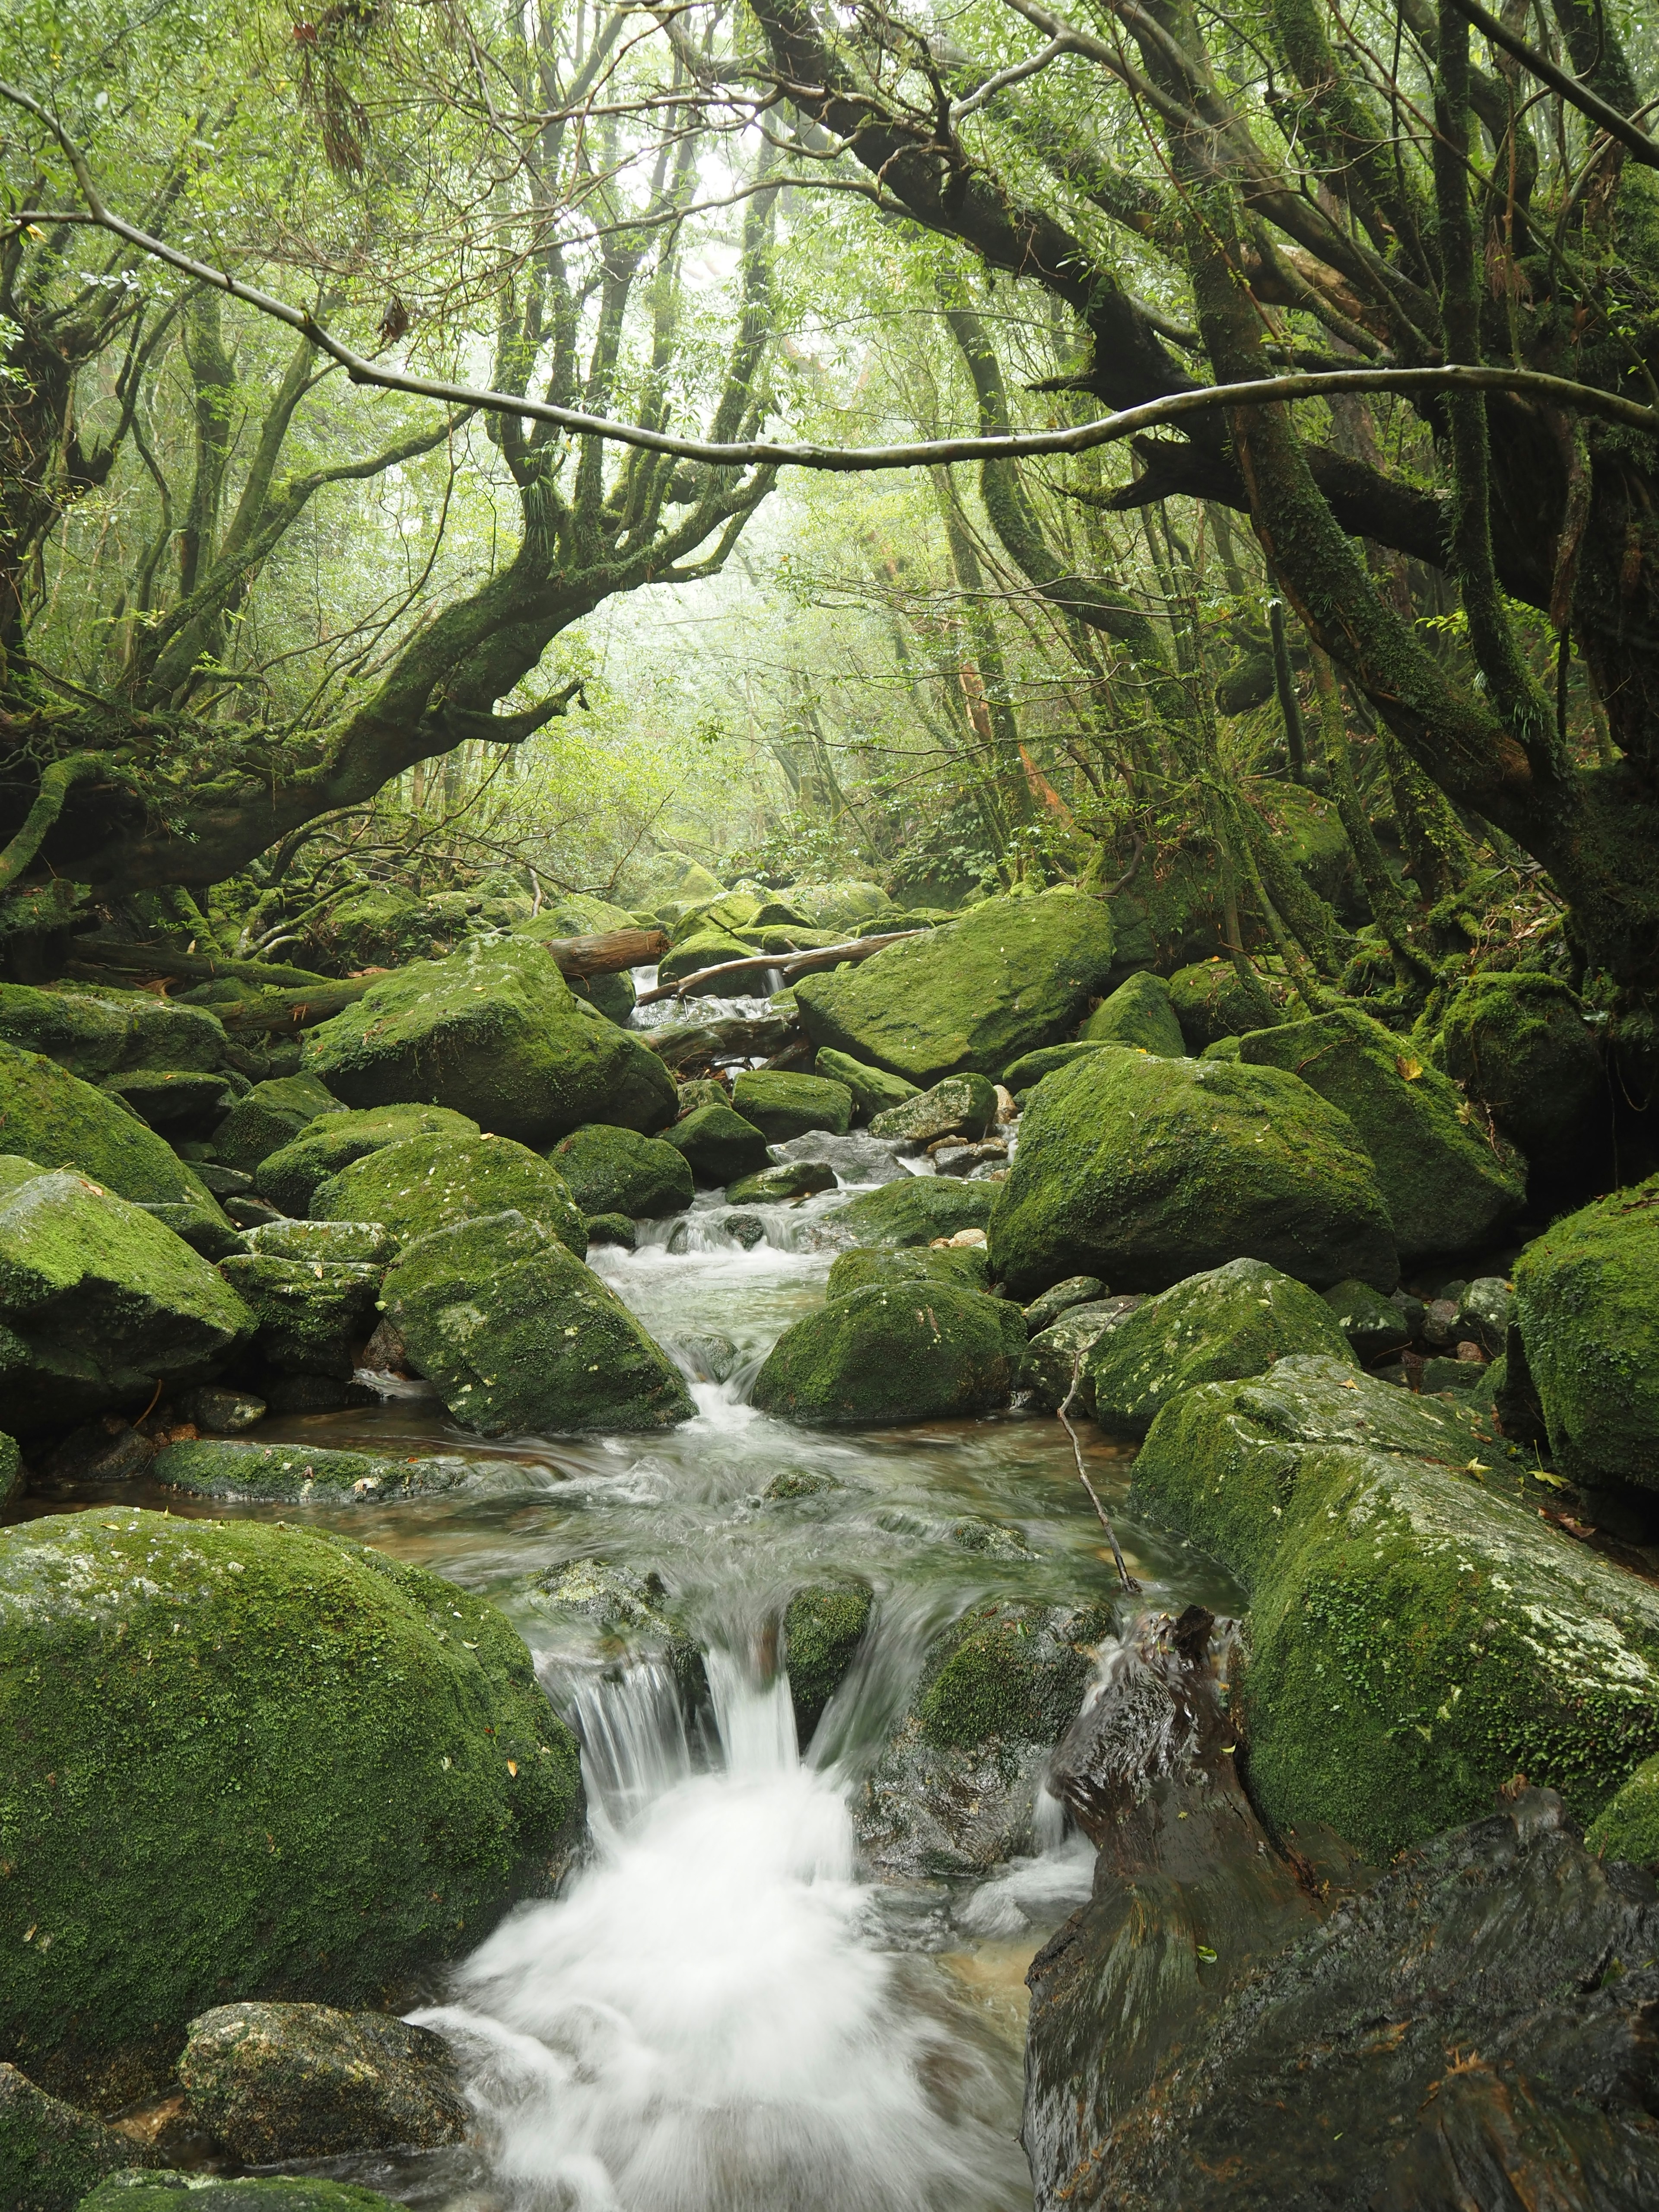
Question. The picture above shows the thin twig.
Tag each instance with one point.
(1123, 1575)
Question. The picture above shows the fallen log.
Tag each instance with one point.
(791, 968)
(731, 1037)
(607, 952)
(168, 960)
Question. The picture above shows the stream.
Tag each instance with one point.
(722, 2012)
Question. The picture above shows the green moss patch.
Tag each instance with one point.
(904, 1352)
(823, 1628)
(288, 1176)
(611, 1170)
(53, 1118)
(1139, 1013)
(1518, 1042)
(872, 1089)
(432, 1181)
(1211, 999)
(783, 1106)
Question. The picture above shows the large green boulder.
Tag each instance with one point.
(1143, 1170)
(611, 1170)
(1138, 1013)
(914, 1210)
(272, 1115)
(99, 1303)
(51, 2155)
(312, 1316)
(1211, 999)
(783, 1106)
(874, 1090)
(196, 2192)
(1447, 1188)
(1008, 976)
(245, 1757)
(494, 1033)
(1216, 1328)
(520, 1338)
(53, 1118)
(100, 1034)
(333, 1141)
(1418, 1634)
(433, 1181)
(1025, 1074)
(707, 947)
(579, 913)
(302, 1474)
(891, 1353)
(718, 1145)
(1518, 1042)
(961, 1106)
(840, 905)
(1587, 1306)
(963, 1265)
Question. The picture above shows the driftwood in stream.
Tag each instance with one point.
(790, 966)
(731, 1037)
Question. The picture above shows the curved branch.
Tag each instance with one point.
(56, 784)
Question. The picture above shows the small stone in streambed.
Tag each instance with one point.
(612, 1228)
(1440, 1320)
(1484, 1311)
(224, 1182)
(1374, 1326)
(746, 1229)
(969, 1159)
(51, 2154)
(782, 1105)
(1412, 1311)
(789, 1179)
(297, 1472)
(1452, 1375)
(720, 1145)
(614, 1597)
(1051, 1364)
(962, 1105)
(920, 1210)
(708, 1356)
(221, 1411)
(1075, 1291)
(278, 2081)
(106, 1450)
(887, 1353)
(785, 1489)
(991, 1539)
(823, 1627)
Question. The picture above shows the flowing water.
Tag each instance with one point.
(723, 2012)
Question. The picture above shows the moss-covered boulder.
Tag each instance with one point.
(961, 1106)
(1447, 1187)
(707, 946)
(99, 1303)
(1061, 1298)
(1374, 1326)
(1143, 1170)
(272, 1115)
(1024, 1073)
(909, 1352)
(288, 1178)
(1211, 999)
(1517, 1041)
(53, 1118)
(782, 1106)
(1627, 1827)
(429, 1182)
(872, 1089)
(520, 1338)
(1138, 1013)
(1007, 977)
(99, 1034)
(52, 2154)
(1418, 1634)
(579, 913)
(311, 1317)
(494, 1033)
(789, 1179)
(1216, 1328)
(301, 1474)
(718, 1145)
(11, 1469)
(916, 1210)
(251, 1758)
(611, 1170)
(195, 2192)
(331, 1244)
(823, 1628)
(839, 904)
(1587, 1306)
(963, 1265)
(1056, 1356)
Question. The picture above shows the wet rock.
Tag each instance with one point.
(272, 1116)
(1586, 1295)
(1627, 1827)
(436, 1182)
(963, 1265)
(334, 1243)
(1484, 1313)
(194, 2193)
(705, 1090)
(201, 1715)
(789, 1488)
(94, 1033)
(1023, 1075)
(1374, 1326)
(1058, 1356)
(989, 1539)
(614, 1598)
(222, 1182)
(823, 1628)
(746, 1229)
(1452, 1375)
(988, 1160)
(51, 2155)
(873, 1088)
(1447, 1188)
(109, 1449)
(903, 1352)
(99, 1303)
(1008, 976)
(1418, 1634)
(176, 1103)
(1144, 1171)
(278, 2081)
(704, 947)
(1518, 1042)
(705, 1354)
(782, 1106)
(857, 1158)
(519, 1337)
(244, 1212)
(1075, 1291)
(1212, 1000)
(718, 1145)
(1215, 1327)
(1139, 1013)
(253, 1472)
(612, 1228)
(916, 1210)
(334, 1141)
(220, 1410)
(493, 1032)
(961, 1106)
(611, 1170)
(299, 1392)
(313, 1317)
(956, 1787)
(788, 1179)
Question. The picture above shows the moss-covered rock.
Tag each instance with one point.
(11, 1469)
(782, 1106)
(1138, 1013)
(272, 1115)
(823, 1628)
(1374, 1326)
(95, 1034)
(1211, 999)
(360, 1243)
(708, 946)
(1447, 1188)
(894, 1352)
(1517, 1041)
(841, 904)
(1059, 1298)
(194, 2193)
(432, 1181)
(1418, 1635)
(718, 1145)
(313, 1317)
(611, 1170)
(99, 1303)
(519, 1337)
(964, 1265)
(1216, 1328)
(914, 1211)
(1143, 1170)
(1627, 1827)
(492, 1032)
(178, 1103)
(247, 1757)
(1024, 1073)
(53, 1118)
(333, 1141)
(788, 1179)
(1587, 1306)
(1008, 976)
(1056, 1355)
(51, 2155)
(962, 1105)
(300, 1474)
(872, 1089)
(579, 913)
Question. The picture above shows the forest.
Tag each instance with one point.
(829, 1047)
